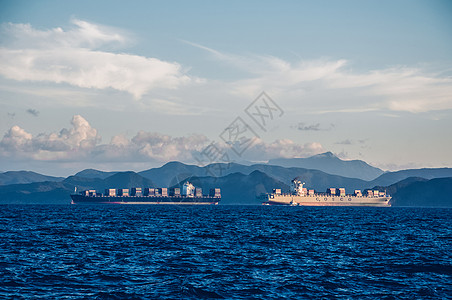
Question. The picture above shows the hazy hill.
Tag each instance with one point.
(315, 179)
(393, 188)
(36, 192)
(331, 164)
(238, 188)
(427, 173)
(16, 177)
(421, 192)
(125, 180)
(92, 173)
(59, 192)
(239, 183)
(174, 172)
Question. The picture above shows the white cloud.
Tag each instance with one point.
(82, 143)
(73, 57)
(82, 35)
(16, 139)
(68, 144)
(396, 88)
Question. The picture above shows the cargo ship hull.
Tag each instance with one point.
(326, 200)
(181, 200)
(302, 196)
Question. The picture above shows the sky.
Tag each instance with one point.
(115, 85)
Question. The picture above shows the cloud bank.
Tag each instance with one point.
(75, 57)
(396, 88)
(82, 143)
(82, 56)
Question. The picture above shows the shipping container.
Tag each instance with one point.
(123, 192)
(158, 192)
(215, 193)
(149, 192)
(137, 192)
(331, 191)
(110, 192)
(341, 192)
(174, 192)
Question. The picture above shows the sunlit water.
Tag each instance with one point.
(257, 252)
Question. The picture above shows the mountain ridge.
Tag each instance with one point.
(17, 177)
(240, 183)
(331, 164)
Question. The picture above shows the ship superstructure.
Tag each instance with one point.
(189, 195)
(299, 195)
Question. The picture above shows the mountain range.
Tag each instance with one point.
(15, 177)
(239, 183)
(331, 164)
(416, 191)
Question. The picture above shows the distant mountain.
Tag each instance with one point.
(174, 172)
(127, 180)
(91, 173)
(393, 177)
(415, 191)
(315, 179)
(17, 177)
(35, 193)
(124, 180)
(239, 183)
(238, 188)
(59, 192)
(331, 164)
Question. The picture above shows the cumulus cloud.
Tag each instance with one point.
(16, 139)
(68, 144)
(74, 57)
(192, 149)
(82, 143)
(152, 146)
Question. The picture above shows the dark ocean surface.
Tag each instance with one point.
(260, 252)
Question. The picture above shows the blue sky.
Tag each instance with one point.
(128, 86)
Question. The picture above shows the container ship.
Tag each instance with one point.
(188, 195)
(302, 196)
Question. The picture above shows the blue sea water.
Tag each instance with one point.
(249, 252)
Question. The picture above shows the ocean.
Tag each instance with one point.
(224, 252)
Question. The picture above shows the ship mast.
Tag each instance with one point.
(297, 187)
